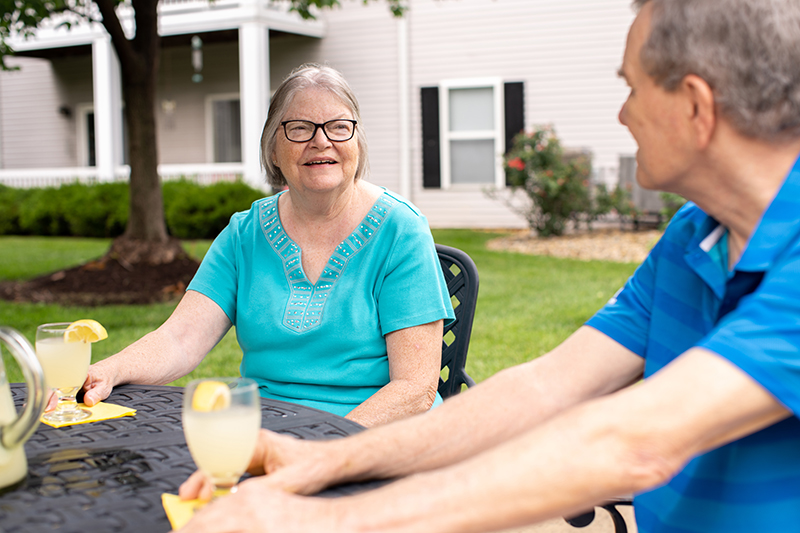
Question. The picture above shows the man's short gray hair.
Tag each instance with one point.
(308, 76)
(748, 51)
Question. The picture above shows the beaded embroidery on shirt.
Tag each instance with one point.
(307, 302)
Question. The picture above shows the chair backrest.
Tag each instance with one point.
(461, 276)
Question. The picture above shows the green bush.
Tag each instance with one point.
(197, 212)
(101, 210)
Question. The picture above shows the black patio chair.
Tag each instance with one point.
(461, 276)
(584, 519)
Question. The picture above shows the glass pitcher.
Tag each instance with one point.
(15, 430)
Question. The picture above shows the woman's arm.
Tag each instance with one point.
(415, 358)
(168, 353)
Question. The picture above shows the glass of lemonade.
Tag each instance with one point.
(65, 366)
(221, 420)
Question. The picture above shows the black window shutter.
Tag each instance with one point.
(431, 171)
(514, 112)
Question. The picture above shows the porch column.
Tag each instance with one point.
(254, 96)
(107, 107)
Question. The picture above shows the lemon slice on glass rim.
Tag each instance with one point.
(211, 396)
(86, 330)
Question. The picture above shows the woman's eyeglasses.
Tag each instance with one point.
(300, 131)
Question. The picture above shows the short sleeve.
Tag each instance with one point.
(216, 277)
(413, 291)
(762, 335)
(626, 317)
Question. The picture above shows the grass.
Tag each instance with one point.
(526, 306)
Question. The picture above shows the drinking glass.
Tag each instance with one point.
(221, 420)
(65, 366)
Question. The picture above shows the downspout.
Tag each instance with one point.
(403, 80)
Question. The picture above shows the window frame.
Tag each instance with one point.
(82, 112)
(497, 133)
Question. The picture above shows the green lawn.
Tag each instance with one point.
(526, 305)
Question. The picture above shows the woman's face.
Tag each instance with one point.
(318, 165)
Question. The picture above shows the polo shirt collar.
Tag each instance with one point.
(778, 227)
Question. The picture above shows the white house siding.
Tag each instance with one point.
(32, 130)
(361, 42)
(565, 52)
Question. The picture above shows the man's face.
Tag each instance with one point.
(653, 116)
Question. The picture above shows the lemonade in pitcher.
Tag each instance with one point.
(13, 464)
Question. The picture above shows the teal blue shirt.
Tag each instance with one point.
(323, 345)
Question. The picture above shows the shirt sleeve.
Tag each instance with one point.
(216, 277)
(762, 335)
(413, 291)
(626, 317)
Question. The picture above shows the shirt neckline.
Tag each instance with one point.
(306, 303)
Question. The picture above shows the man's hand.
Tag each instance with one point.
(257, 507)
(291, 465)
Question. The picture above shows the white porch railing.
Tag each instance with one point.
(55, 177)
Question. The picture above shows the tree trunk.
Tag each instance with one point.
(145, 238)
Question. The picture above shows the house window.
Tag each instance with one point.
(223, 118)
(467, 126)
(87, 152)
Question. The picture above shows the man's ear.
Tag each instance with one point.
(703, 110)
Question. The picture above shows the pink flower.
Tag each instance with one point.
(516, 164)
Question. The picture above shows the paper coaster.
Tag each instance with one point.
(179, 511)
(100, 411)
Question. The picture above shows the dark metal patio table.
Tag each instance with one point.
(109, 475)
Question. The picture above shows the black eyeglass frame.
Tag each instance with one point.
(320, 126)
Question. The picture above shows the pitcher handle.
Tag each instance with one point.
(22, 428)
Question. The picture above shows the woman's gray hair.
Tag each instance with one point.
(308, 76)
(748, 51)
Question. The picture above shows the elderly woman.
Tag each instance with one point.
(333, 284)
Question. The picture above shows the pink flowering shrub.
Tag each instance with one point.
(557, 183)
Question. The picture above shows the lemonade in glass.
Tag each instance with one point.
(64, 350)
(221, 420)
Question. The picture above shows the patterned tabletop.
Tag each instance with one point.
(109, 476)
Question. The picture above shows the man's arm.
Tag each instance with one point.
(588, 364)
(630, 441)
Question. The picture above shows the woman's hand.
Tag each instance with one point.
(99, 383)
(291, 465)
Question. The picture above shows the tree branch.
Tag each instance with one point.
(113, 26)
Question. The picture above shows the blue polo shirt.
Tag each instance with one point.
(684, 296)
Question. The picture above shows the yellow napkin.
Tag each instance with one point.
(179, 511)
(100, 411)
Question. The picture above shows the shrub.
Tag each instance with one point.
(197, 212)
(672, 202)
(101, 210)
(557, 183)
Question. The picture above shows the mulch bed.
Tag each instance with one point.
(601, 244)
(106, 282)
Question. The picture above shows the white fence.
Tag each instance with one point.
(54, 177)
